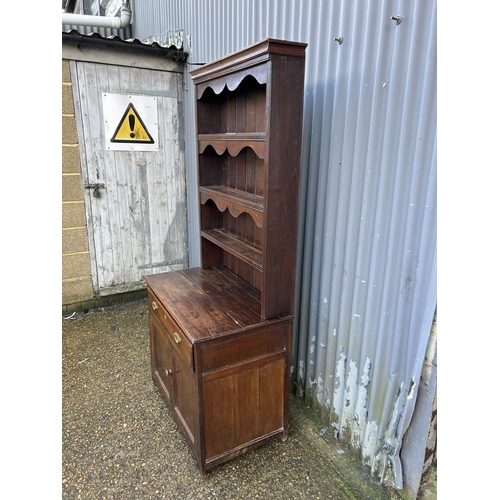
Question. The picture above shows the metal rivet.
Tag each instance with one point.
(398, 19)
(339, 39)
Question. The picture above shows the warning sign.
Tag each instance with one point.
(130, 122)
(131, 128)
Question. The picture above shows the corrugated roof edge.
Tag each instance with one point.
(172, 52)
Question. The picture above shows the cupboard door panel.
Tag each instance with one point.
(247, 405)
(185, 403)
(272, 392)
(243, 402)
(218, 404)
(163, 360)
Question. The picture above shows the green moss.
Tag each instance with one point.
(109, 300)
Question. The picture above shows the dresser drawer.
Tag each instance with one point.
(237, 349)
(174, 334)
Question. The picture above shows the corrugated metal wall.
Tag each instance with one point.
(366, 269)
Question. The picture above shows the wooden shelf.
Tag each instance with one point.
(249, 127)
(235, 200)
(233, 142)
(243, 251)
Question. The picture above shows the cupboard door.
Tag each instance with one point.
(243, 403)
(272, 380)
(218, 403)
(162, 359)
(185, 403)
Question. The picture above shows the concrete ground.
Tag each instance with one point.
(120, 441)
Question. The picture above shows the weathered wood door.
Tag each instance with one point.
(135, 199)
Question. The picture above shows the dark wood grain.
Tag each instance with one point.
(254, 113)
(253, 344)
(220, 333)
(192, 309)
(229, 294)
(235, 246)
(234, 200)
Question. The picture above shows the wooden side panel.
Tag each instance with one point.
(283, 185)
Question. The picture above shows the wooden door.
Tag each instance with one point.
(185, 401)
(162, 358)
(243, 403)
(135, 200)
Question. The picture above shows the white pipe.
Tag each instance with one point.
(100, 21)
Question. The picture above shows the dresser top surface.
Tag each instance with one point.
(205, 303)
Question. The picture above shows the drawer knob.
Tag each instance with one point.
(154, 305)
(177, 338)
(168, 373)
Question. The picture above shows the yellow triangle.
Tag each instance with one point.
(131, 128)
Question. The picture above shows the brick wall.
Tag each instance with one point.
(76, 273)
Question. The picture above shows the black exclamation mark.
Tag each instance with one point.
(131, 121)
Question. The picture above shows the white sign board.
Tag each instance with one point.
(130, 122)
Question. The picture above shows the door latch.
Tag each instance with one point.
(95, 186)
